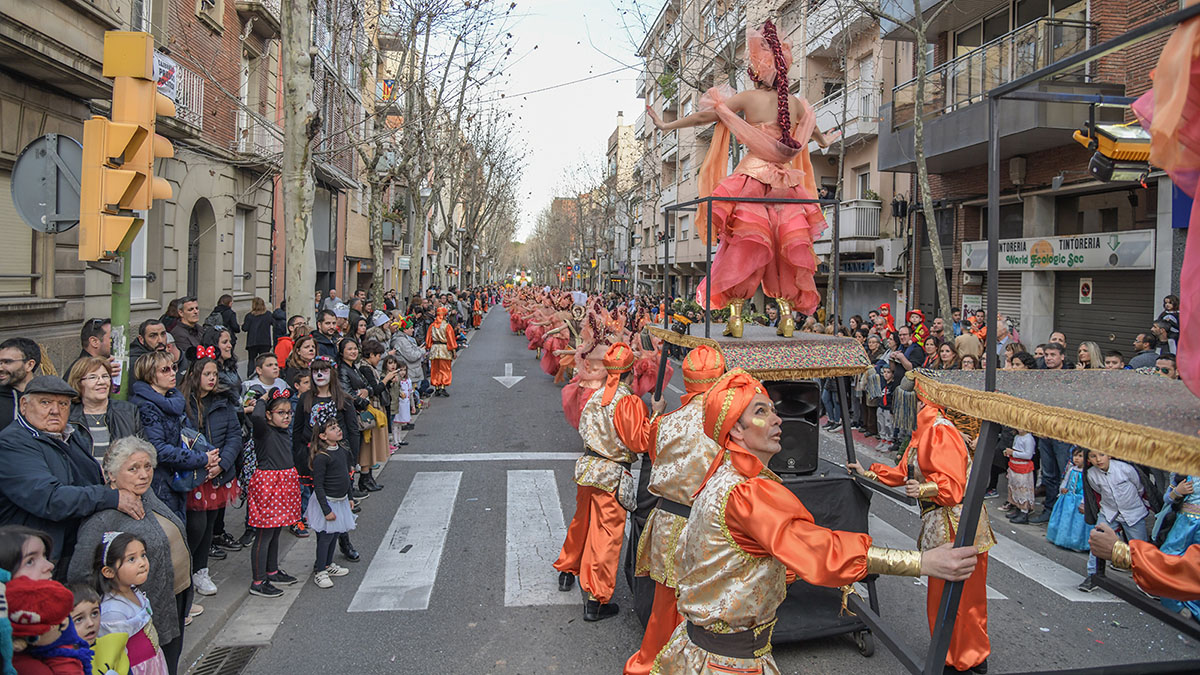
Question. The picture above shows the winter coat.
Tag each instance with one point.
(258, 329)
(352, 380)
(122, 419)
(411, 353)
(228, 320)
(278, 324)
(8, 405)
(50, 484)
(162, 419)
(326, 346)
(220, 426)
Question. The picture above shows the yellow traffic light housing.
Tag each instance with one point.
(118, 155)
(1122, 151)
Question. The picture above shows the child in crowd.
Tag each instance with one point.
(44, 640)
(328, 511)
(1020, 476)
(1184, 533)
(273, 498)
(1121, 503)
(121, 566)
(1067, 528)
(24, 552)
(396, 401)
(405, 403)
(86, 613)
(884, 412)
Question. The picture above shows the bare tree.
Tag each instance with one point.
(300, 124)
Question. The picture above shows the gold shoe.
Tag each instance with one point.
(787, 325)
(733, 326)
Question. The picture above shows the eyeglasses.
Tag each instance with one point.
(168, 369)
(98, 377)
(1164, 371)
(285, 412)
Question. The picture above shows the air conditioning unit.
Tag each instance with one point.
(887, 256)
(972, 279)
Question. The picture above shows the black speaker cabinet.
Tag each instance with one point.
(798, 403)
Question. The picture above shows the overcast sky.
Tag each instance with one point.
(562, 127)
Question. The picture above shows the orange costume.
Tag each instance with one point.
(476, 314)
(941, 464)
(605, 489)
(1168, 576)
(681, 453)
(441, 344)
(745, 533)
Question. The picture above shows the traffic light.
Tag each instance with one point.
(118, 155)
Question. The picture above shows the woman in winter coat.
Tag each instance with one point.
(217, 344)
(257, 326)
(360, 391)
(411, 353)
(210, 411)
(161, 407)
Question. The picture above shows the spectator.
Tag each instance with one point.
(832, 403)
(968, 362)
(359, 329)
(390, 304)
(19, 360)
(916, 323)
(937, 329)
(129, 466)
(1053, 356)
(298, 361)
(152, 337)
(1022, 361)
(187, 331)
(772, 318)
(326, 334)
(356, 311)
(1145, 348)
(95, 338)
(1161, 330)
(278, 323)
(224, 310)
(956, 323)
(161, 406)
(317, 301)
(1170, 317)
(907, 356)
(331, 300)
(297, 327)
(257, 324)
(947, 357)
(24, 551)
(374, 447)
(1166, 366)
(1003, 334)
(1020, 477)
(266, 375)
(410, 352)
(1114, 360)
(106, 419)
(1121, 493)
(930, 347)
(170, 316)
(48, 479)
(967, 343)
(1089, 356)
(218, 345)
(1060, 338)
(210, 411)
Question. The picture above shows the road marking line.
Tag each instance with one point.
(404, 568)
(487, 457)
(533, 537)
(255, 622)
(884, 533)
(675, 389)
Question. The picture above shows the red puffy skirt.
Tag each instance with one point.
(273, 498)
(209, 497)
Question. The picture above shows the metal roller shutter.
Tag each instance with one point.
(1008, 299)
(1122, 306)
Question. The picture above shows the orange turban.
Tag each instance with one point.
(617, 361)
(442, 311)
(702, 367)
(723, 406)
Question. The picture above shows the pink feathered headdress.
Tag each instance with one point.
(762, 58)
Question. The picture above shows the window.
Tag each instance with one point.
(245, 133)
(137, 261)
(211, 13)
(16, 256)
(239, 250)
(139, 15)
(862, 182)
(683, 227)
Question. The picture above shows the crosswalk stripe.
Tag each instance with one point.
(675, 389)
(403, 570)
(884, 534)
(534, 534)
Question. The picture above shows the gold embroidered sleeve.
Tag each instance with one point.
(894, 562)
(870, 475)
(1121, 557)
(927, 490)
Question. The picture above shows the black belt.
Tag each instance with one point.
(675, 508)
(588, 452)
(746, 644)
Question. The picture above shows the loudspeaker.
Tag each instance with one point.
(798, 404)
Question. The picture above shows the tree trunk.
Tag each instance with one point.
(300, 121)
(931, 230)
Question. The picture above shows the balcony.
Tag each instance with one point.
(670, 195)
(725, 30)
(858, 121)
(830, 21)
(669, 145)
(956, 128)
(639, 127)
(858, 227)
(189, 98)
(260, 139)
(394, 229)
(264, 14)
(642, 79)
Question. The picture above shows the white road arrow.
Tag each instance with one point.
(508, 379)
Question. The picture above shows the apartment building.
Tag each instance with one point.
(615, 262)
(1124, 239)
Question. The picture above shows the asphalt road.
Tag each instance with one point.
(456, 575)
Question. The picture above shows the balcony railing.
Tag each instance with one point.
(860, 118)
(966, 79)
(669, 195)
(265, 14)
(859, 219)
(189, 98)
(829, 20)
(261, 139)
(670, 141)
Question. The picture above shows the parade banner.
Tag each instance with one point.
(1131, 250)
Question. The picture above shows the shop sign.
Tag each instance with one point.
(1085, 291)
(1131, 250)
(971, 304)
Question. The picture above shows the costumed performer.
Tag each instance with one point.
(934, 470)
(680, 453)
(605, 488)
(771, 244)
(746, 531)
(441, 343)
(1169, 576)
(645, 369)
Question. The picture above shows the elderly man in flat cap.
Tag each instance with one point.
(48, 478)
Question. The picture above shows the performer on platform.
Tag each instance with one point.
(605, 491)
(934, 470)
(441, 343)
(747, 530)
(681, 453)
(771, 244)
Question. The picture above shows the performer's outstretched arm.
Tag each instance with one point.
(1169, 576)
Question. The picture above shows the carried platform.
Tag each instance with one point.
(768, 356)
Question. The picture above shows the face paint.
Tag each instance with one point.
(320, 378)
(759, 422)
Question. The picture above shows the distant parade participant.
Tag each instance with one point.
(680, 453)
(771, 244)
(605, 491)
(746, 531)
(934, 470)
(441, 343)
